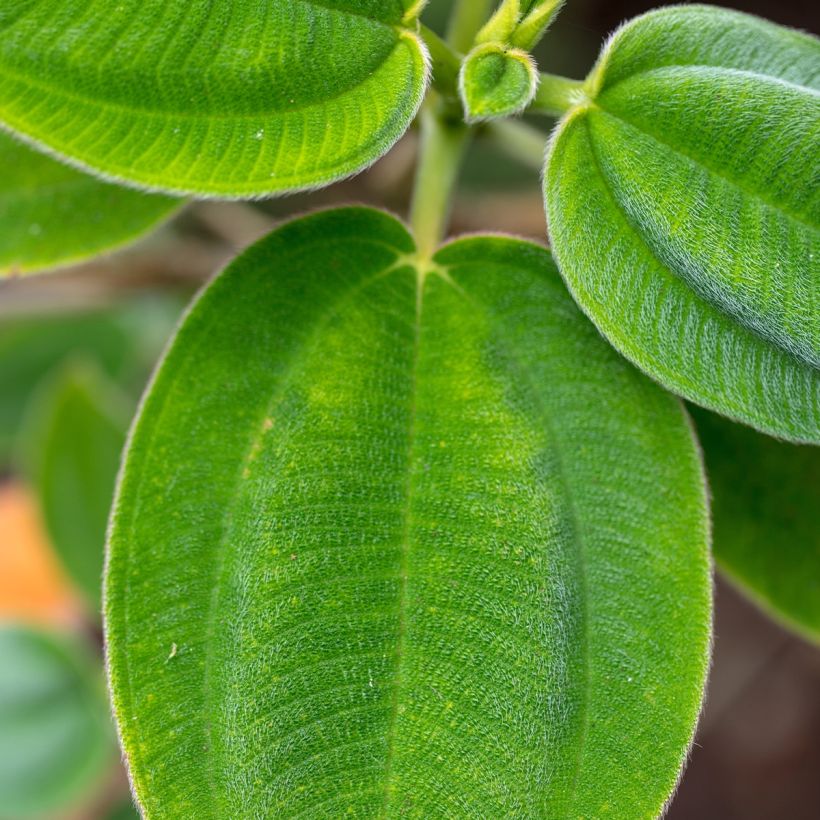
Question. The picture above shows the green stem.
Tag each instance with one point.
(443, 143)
(446, 63)
(518, 141)
(556, 95)
(466, 21)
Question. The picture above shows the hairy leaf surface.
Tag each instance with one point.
(400, 545)
(52, 215)
(684, 208)
(56, 737)
(241, 98)
(765, 502)
(496, 81)
(73, 439)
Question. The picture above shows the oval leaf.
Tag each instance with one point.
(241, 100)
(765, 497)
(387, 543)
(496, 81)
(56, 738)
(72, 444)
(52, 215)
(682, 195)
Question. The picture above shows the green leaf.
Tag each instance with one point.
(72, 444)
(765, 497)
(124, 341)
(239, 100)
(52, 215)
(682, 196)
(56, 738)
(388, 544)
(496, 82)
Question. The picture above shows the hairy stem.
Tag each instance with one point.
(556, 95)
(443, 143)
(446, 63)
(467, 19)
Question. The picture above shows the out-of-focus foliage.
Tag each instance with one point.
(56, 735)
(71, 445)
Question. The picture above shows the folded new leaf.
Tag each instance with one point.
(684, 214)
(237, 100)
(496, 81)
(391, 537)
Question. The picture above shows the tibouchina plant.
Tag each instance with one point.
(418, 528)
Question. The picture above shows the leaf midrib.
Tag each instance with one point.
(615, 330)
(757, 334)
(699, 161)
(109, 105)
(409, 492)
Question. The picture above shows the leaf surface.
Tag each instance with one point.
(684, 208)
(765, 498)
(52, 215)
(392, 545)
(56, 738)
(73, 438)
(236, 99)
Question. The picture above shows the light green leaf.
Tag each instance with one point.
(56, 738)
(52, 215)
(496, 82)
(765, 501)
(684, 209)
(72, 444)
(235, 100)
(398, 545)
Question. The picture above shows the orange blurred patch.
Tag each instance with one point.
(33, 586)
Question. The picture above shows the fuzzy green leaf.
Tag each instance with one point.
(397, 545)
(765, 501)
(240, 99)
(684, 209)
(496, 82)
(72, 443)
(56, 737)
(52, 215)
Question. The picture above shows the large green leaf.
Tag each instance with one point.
(684, 209)
(242, 98)
(392, 545)
(56, 737)
(72, 442)
(52, 215)
(765, 501)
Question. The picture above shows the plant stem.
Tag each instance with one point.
(443, 143)
(446, 63)
(556, 95)
(519, 141)
(466, 21)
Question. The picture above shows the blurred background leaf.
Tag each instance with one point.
(52, 215)
(56, 734)
(71, 443)
(765, 513)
